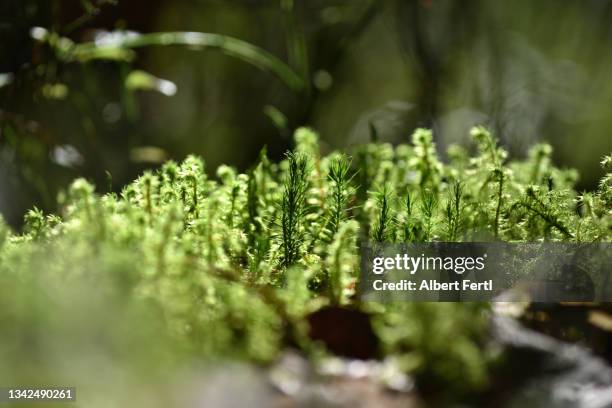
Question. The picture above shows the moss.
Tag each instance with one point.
(231, 266)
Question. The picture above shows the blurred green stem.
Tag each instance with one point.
(229, 45)
(297, 50)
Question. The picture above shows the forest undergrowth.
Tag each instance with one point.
(182, 264)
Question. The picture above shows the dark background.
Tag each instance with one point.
(531, 71)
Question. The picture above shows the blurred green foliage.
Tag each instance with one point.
(529, 71)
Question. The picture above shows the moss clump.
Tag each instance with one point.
(231, 266)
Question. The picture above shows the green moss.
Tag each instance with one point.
(229, 267)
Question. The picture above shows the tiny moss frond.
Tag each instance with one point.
(412, 231)
(293, 207)
(429, 206)
(383, 229)
(499, 174)
(454, 209)
(340, 178)
(425, 159)
(534, 204)
(540, 158)
(342, 261)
